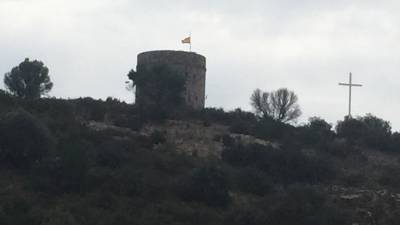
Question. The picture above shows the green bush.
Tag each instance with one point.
(368, 130)
(318, 132)
(254, 181)
(300, 205)
(158, 137)
(16, 210)
(351, 129)
(284, 166)
(207, 185)
(304, 206)
(390, 177)
(66, 172)
(24, 139)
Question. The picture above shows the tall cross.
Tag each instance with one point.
(350, 84)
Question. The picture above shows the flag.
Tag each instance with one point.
(186, 40)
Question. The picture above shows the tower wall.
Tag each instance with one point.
(189, 64)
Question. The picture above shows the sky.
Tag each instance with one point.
(307, 46)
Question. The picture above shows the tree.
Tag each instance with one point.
(367, 130)
(351, 129)
(378, 131)
(30, 79)
(318, 132)
(280, 105)
(24, 139)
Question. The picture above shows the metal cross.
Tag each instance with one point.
(350, 84)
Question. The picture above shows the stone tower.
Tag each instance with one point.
(190, 64)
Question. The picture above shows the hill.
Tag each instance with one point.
(86, 161)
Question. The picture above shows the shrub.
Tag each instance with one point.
(378, 132)
(394, 144)
(67, 172)
(207, 185)
(254, 181)
(318, 132)
(158, 137)
(304, 206)
(368, 130)
(300, 205)
(15, 210)
(390, 177)
(339, 147)
(111, 154)
(245, 155)
(23, 139)
(285, 166)
(269, 129)
(351, 129)
(74, 166)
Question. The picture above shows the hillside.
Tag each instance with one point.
(85, 161)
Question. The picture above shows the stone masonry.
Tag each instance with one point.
(190, 64)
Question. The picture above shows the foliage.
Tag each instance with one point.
(116, 176)
(378, 131)
(158, 137)
(15, 210)
(300, 205)
(390, 177)
(254, 181)
(23, 139)
(368, 130)
(318, 132)
(207, 185)
(283, 166)
(280, 105)
(30, 79)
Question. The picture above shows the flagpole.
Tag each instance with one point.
(190, 44)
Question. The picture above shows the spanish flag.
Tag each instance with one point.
(186, 40)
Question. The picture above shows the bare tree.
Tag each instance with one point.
(280, 104)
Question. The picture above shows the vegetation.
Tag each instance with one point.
(86, 161)
(280, 105)
(30, 79)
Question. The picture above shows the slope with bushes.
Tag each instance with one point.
(87, 161)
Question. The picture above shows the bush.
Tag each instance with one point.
(351, 129)
(378, 132)
(339, 147)
(284, 166)
(300, 205)
(269, 129)
(318, 132)
(304, 206)
(207, 185)
(158, 137)
(254, 181)
(111, 154)
(390, 176)
(23, 139)
(15, 210)
(394, 144)
(369, 130)
(66, 172)
(244, 155)
(74, 166)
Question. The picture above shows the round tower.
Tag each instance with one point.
(189, 64)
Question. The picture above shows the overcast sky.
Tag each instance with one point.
(308, 46)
